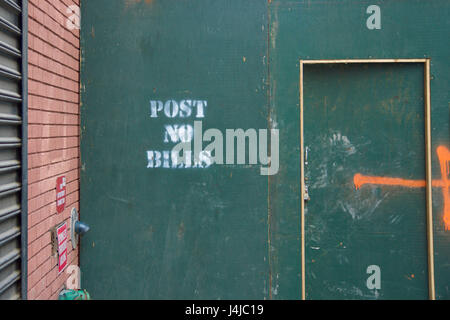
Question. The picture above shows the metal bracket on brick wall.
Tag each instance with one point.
(73, 235)
(54, 241)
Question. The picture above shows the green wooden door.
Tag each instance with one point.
(365, 119)
(365, 239)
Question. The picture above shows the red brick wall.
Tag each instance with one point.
(53, 145)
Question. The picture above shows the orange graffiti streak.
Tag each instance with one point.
(444, 159)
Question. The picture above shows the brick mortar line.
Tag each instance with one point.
(47, 244)
(76, 181)
(50, 124)
(44, 193)
(50, 150)
(43, 235)
(51, 164)
(46, 287)
(76, 59)
(49, 217)
(33, 3)
(51, 111)
(52, 18)
(43, 287)
(52, 59)
(32, 138)
(77, 104)
(54, 86)
(49, 137)
(51, 71)
(53, 47)
(54, 99)
(29, 213)
(45, 110)
(52, 190)
(59, 149)
(53, 176)
(44, 276)
(40, 237)
(35, 153)
(64, 15)
(50, 257)
(38, 152)
(69, 172)
(54, 137)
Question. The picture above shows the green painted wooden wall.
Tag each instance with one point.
(227, 232)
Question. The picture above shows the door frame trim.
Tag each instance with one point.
(428, 164)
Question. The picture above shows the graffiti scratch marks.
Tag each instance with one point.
(444, 159)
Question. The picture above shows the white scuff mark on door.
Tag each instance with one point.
(340, 140)
(274, 28)
(395, 219)
(275, 290)
(360, 208)
(322, 180)
(118, 199)
(315, 231)
(346, 207)
(351, 291)
(342, 259)
(273, 122)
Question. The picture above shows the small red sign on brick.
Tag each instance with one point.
(61, 233)
(60, 194)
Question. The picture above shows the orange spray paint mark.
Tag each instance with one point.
(444, 159)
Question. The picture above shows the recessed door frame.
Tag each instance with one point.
(426, 63)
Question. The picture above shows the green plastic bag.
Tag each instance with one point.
(74, 295)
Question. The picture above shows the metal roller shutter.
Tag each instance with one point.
(13, 137)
